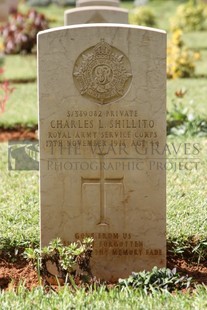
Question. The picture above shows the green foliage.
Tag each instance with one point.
(194, 248)
(186, 201)
(1, 61)
(43, 3)
(182, 119)
(5, 92)
(126, 299)
(19, 35)
(64, 2)
(143, 16)
(40, 3)
(200, 250)
(190, 16)
(19, 207)
(66, 259)
(21, 108)
(20, 68)
(157, 279)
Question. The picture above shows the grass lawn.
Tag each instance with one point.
(19, 205)
(164, 10)
(21, 107)
(185, 199)
(195, 96)
(101, 299)
(20, 68)
(186, 189)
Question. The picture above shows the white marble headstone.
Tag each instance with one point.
(95, 14)
(102, 120)
(80, 3)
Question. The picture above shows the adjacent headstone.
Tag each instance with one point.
(96, 14)
(102, 128)
(140, 2)
(97, 3)
(4, 10)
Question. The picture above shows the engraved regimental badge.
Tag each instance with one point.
(102, 73)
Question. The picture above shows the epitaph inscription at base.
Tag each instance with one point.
(102, 129)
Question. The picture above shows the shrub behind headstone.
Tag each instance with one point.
(190, 17)
(19, 35)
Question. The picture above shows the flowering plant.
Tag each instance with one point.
(180, 59)
(5, 91)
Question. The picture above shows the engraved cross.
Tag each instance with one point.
(102, 181)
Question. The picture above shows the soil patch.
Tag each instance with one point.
(21, 271)
(18, 133)
(12, 274)
(198, 272)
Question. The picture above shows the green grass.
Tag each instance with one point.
(201, 65)
(196, 40)
(20, 68)
(186, 202)
(195, 96)
(101, 299)
(19, 205)
(163, 10)
(127, 5)
(21, 107)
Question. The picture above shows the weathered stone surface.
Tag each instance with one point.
(102, 130)
(95, 14)
(97, 3)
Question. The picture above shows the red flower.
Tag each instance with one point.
(5, 90)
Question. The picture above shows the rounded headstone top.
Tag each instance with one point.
(81, 3)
